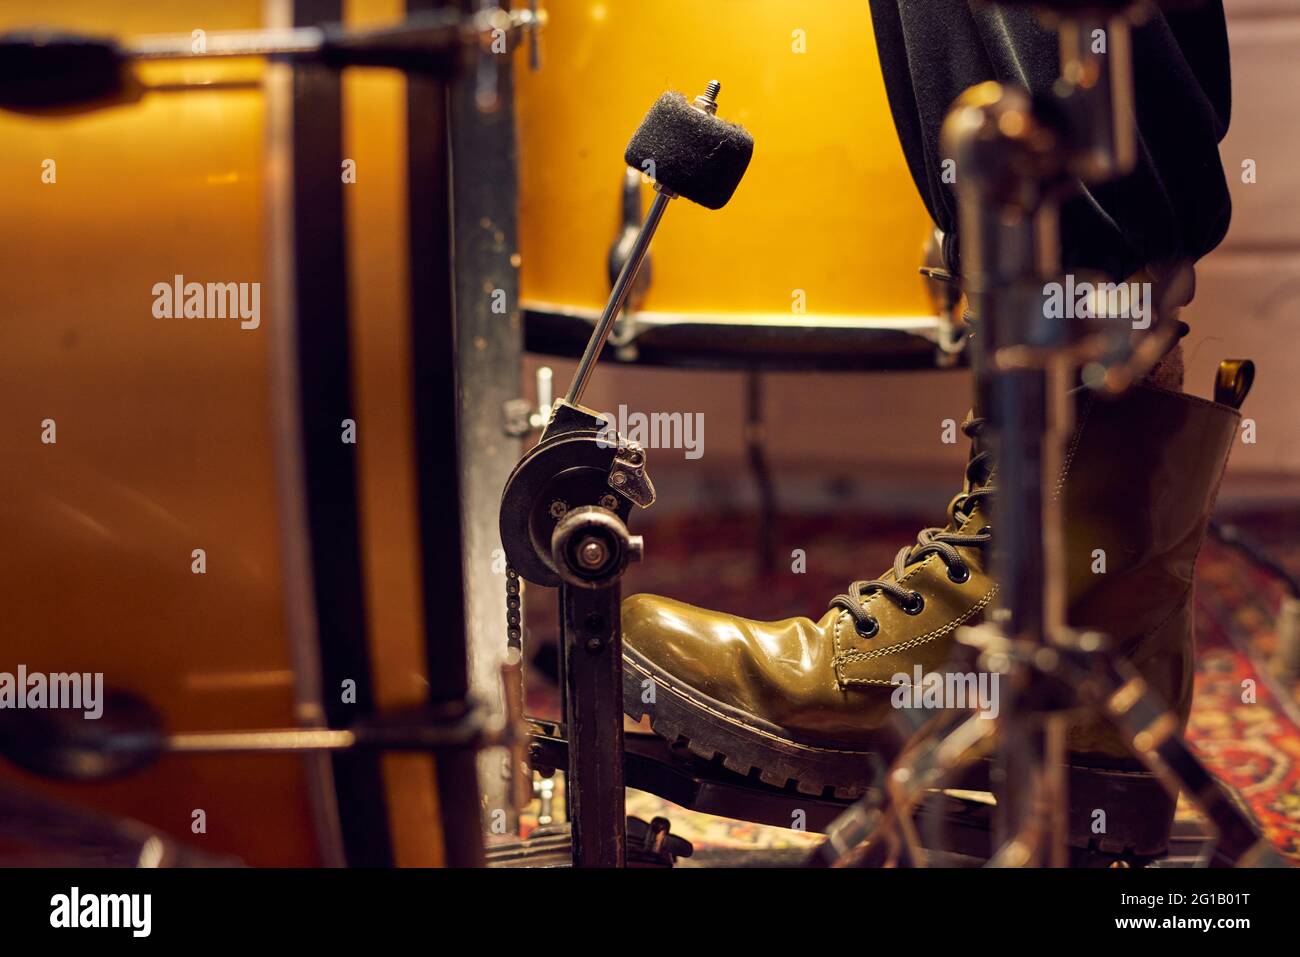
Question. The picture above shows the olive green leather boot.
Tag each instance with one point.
(804, 701)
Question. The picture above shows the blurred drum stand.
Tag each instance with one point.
(458, 82)
(1015, 155)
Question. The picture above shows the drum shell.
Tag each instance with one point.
(166, 437)
(827, 221)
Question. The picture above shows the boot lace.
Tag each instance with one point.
(931, 541)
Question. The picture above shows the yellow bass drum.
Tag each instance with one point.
(825, 233)
(141, 520)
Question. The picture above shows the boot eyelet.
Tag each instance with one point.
(959, 575)
(916, 604)
(868, 628)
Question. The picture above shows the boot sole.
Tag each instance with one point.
(1138, 812)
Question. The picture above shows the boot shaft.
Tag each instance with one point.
(1140, 481)
(1139, 488)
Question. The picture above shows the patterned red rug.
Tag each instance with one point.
(1243, 720)
(1252, 744)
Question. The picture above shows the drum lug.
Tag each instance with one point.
(625, 329)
